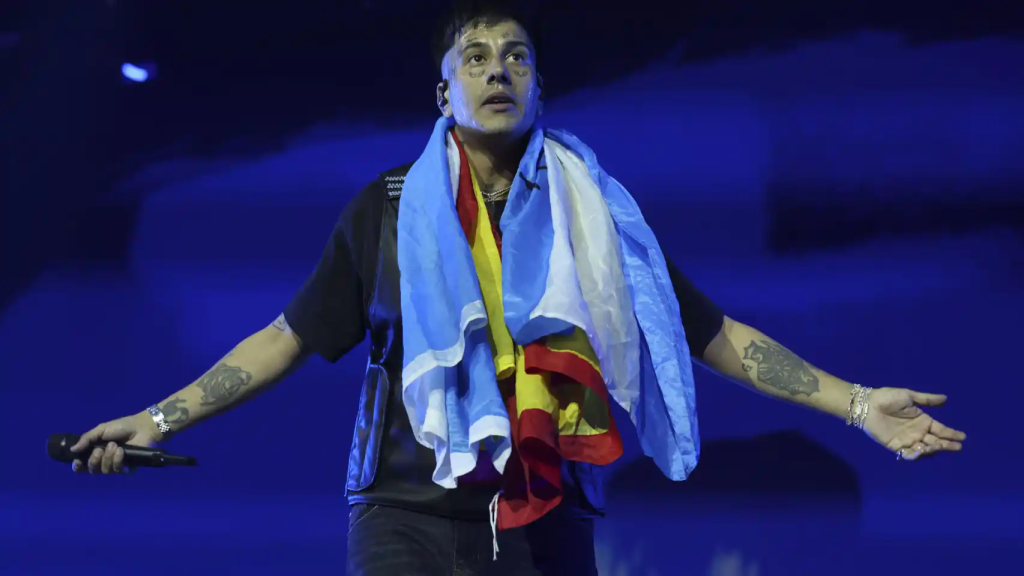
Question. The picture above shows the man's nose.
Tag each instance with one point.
(498, 74)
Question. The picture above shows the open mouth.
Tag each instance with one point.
(499, 101)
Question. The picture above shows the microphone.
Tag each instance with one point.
(59, 448)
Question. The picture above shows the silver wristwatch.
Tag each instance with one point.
(158, 417)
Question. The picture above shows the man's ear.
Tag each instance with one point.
(540, 95)
(444, 99)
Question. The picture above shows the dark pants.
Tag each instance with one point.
(385, 541)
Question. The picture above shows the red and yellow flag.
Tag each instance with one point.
(555, 394)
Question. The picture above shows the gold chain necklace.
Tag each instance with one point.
(496, 195)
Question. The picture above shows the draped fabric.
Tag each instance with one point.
(553, 389)
(514, 343)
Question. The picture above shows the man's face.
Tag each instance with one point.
(492, 84)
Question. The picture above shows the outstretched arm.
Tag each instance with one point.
(749, 357)
(256, 364)
(894, 419)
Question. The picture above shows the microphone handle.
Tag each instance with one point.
(59, 448)
(150, 458)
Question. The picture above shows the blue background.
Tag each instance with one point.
(853, 191)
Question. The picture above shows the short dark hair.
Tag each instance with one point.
(467, 14)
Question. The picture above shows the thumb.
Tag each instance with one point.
(925, 399)
(89, 437)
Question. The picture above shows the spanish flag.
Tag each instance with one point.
(553, 389)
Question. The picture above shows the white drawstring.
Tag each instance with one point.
(492, 511)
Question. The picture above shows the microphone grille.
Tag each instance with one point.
(59, 447)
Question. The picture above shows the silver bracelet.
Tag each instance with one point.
(158, 417)
(857, 411)
(853, 402)
(865, 392)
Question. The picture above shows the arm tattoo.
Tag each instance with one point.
(175, 412)
(281, 324)
(779, 368)
(221, 384)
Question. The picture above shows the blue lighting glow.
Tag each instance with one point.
(134, 73)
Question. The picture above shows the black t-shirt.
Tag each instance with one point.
(330, 314)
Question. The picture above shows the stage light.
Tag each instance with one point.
(134, 73)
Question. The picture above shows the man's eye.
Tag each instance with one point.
(476, 58)
(517, 57)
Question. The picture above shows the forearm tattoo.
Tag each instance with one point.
(221, 384)
(175, 412)
(779, 368)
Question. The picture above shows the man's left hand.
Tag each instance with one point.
(896, 421)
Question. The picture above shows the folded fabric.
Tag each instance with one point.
(570, 304)
(553, 389)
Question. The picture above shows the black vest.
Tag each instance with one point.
(381, 418)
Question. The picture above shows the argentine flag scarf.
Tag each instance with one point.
(514, 342)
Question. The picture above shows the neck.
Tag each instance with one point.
(494, 160)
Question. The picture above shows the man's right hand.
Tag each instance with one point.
(136, 430)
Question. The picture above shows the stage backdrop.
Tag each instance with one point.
(858, 199)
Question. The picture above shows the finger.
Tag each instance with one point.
(118, 461)
(78, 467)
(925, 399)
(914, 452)
(943, 431)
(108, 458)
(95, 459)
(88, 438)
(935, 444)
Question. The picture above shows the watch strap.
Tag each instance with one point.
(158, 417)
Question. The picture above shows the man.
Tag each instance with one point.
(411, 514)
